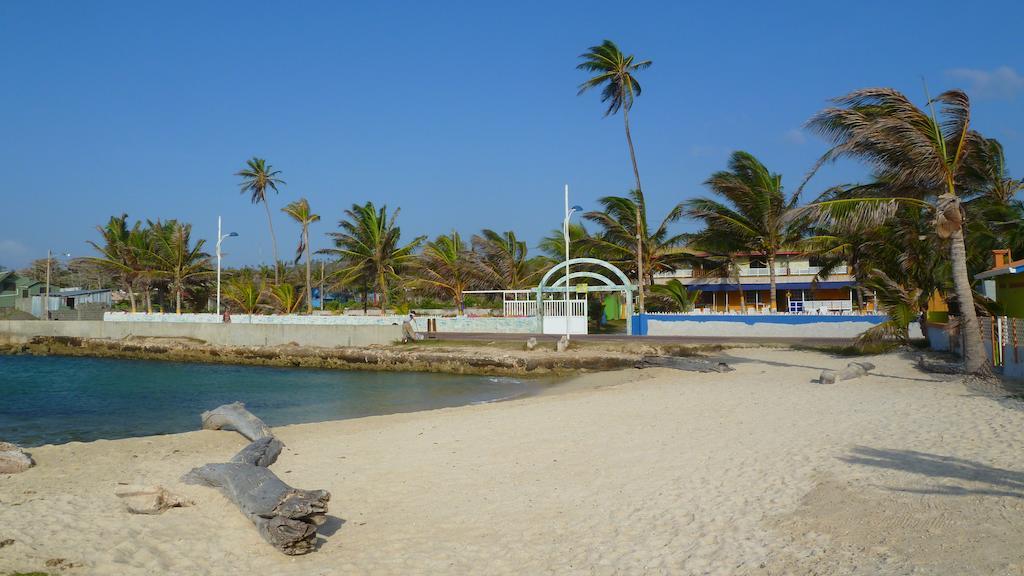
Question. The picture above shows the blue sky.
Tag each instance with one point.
(464, 114)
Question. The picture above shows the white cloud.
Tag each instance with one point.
(1002, 82)
(794, 136)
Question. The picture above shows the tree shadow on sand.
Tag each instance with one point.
(999, 481)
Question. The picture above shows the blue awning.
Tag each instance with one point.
(779, 287)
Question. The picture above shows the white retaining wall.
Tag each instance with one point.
(21, 331)
(486, 324)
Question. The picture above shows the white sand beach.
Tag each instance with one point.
(759, 471)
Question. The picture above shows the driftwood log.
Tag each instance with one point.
(681, 363)
(235, 417)
(285, 517)
(852, 370)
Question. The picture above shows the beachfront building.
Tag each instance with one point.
(16, 291)
(798, 285)
(1004, 283)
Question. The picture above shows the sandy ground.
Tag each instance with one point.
(759, 471)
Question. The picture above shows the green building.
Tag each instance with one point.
(15, 288)
(1004, 283)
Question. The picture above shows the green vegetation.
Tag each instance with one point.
(939, 199)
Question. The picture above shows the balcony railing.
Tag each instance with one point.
(752, 272)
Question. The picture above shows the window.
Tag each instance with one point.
(758, 263)
(815, 262)
(24, 293)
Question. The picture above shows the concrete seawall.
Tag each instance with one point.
(23, 331)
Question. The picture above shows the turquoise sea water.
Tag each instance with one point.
(52, 400)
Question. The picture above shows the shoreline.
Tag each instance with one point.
(506, 358)
(754, 472)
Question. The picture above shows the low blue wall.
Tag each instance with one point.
(774, 324)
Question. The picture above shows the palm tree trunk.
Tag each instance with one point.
(772, 290)
(131, 296)
(639, 228)
(309, 272)
(975, 360)
(177, 300)
(383, 292)
(149, 298)
(273, 239)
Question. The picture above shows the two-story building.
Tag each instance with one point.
(799, 288)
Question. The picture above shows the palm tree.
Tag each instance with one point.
(614, 71)
(922, 161)
(117, 255)
(553, 245)
(675, 292)
(285, 298)
(754, 210)
(447, 268)
(624, 218)
(257, 177)
(176, 260)
(299, 211)
(370, 250)
(505, 261)
(244, 291)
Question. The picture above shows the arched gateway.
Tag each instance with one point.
(561, 285)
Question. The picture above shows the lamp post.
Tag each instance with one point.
(45, 308)
(220, 238)
(565, 229)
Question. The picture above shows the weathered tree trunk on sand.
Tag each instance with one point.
(680, 363)
(285, 517)
(236, 417)
(852, 370)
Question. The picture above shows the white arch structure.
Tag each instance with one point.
(560, 286)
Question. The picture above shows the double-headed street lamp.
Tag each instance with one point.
(220, 238)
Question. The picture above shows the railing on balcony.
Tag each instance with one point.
(779, 271)
(680, 273)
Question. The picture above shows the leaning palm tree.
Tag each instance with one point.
(369, 249)
(257, 178)
(447, 268)
(615, 72)
(180, 263)
(300, 212)
(922, 160)
(623, 219)
(753, 209)
(504, 260)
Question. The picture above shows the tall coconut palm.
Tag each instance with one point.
(116, 253)
(753, 209)
(614, 71)
(921, 157)
(257, 178)
(504, 260)
(370, 250)
(623, 219)
(447, 268)
(300, 212)
(180, 263)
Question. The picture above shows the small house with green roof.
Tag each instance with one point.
(15, 287)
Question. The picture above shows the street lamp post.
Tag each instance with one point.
(220, 238)
(565, 229)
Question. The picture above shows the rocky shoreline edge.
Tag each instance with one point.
(498, 359)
